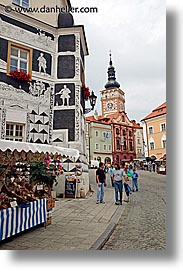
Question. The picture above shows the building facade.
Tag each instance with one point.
(99, 139)
(139, 140)
(123, 130)
(154, 126)
(113, 109)
(51, 103)
(42, 72)
(44, 13)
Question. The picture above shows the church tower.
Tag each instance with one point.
(113, 98)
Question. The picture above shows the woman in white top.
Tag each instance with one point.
(118, 183)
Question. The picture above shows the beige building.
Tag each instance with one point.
(139, 140)
(45, 11)
(154, 126)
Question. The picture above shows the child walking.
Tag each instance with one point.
(135, 180)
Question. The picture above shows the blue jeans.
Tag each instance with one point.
(127, 189)
(134, 185)
(100, 192)
(118, 186)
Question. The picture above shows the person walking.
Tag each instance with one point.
(150, 167)
(111, 174)
(154, 167)
(126, 186)
(135, 180)
(101, 183)
(118, 183)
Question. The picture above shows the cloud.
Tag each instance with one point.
(135, 31)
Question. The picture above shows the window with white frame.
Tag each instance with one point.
(96, 133)
(139, 151)
(163, 127)
(164, 144)
(14, 132)
(19, 59)
(22, 3)
(138, 141)
(97, 147)
(163, 141)
(105, 147)
(110, 147)
(150, 130)
(151, 145)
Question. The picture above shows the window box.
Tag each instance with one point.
(20, 75)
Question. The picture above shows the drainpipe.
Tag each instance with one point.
(147, 138)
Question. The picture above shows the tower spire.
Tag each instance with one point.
(112, 83)
(110, 54)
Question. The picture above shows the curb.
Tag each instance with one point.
(100, 242)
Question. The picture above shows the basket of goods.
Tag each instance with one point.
(4, 201)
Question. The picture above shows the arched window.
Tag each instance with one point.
(117, 159)
(117, 131)
(96, 133)
(131, 145)
(118, 145)
(124, 146)
(99, 158)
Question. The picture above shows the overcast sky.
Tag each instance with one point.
(135, 32)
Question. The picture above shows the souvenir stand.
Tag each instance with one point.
(27, 174)
(161, 165)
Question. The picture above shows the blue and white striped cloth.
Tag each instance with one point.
(17, 219)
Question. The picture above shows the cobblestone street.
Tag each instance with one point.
(143, 222)
(80, 224)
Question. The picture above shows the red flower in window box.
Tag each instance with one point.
(20, 75)
(86, 92)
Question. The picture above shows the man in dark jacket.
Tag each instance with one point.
(101, 183)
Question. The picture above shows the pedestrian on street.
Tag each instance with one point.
(130, 166)
(118, 183)
(134, 180)
(126, 186)
(150, 167)
(101, 183)
(154, 167)
(111, 174)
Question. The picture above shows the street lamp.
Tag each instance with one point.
(93, 100)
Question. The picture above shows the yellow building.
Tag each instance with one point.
(154, 126)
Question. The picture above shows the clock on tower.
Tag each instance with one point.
(110, 105)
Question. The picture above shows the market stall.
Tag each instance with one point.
(27, 174)
(161, 165)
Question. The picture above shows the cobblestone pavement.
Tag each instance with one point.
(143, 222)
(76, 225)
